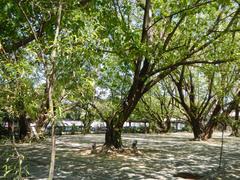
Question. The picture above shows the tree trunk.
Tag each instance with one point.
(87, 122)
(13, 132)
(138, 87)
(53, 152)
(163, 126)
(42, 120)
(208, 131)
(10, 123)
(212, 123)
(167, 125)
(203, 133)
(115, 125)
(235, 127)
(24, 127)
(52, 79)
(86, 127)
(197, 129)
(113, 136)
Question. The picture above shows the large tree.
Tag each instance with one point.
(155, 38)
(198, 102)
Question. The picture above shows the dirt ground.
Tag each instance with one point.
(163, 157)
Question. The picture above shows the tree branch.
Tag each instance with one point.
(196, 5)
(168, 69)
(170, 35)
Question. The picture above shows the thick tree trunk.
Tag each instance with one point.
(86, 127)
(236, 125)
(42, 120)
(113, 136)
(167, 125)
(235, 131)
(115, 125)
(203, 133)
(212, 123)
(152, 127)
(138, 88)
(208, 131)
(41, 123)
(164, 126)
(24, 127)
(87, 122)
(197, 129)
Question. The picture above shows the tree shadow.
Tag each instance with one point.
(163, 157)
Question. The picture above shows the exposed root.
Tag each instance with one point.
(111, 151)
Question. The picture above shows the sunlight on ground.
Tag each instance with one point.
(163, 156)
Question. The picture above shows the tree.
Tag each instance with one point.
(34, 29)
(235, 127)
(202, 100)
(169, 35)
(234, 106)
(158, 108)
(199, 104)
(17, 92)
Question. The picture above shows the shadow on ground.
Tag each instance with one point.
(164, 157)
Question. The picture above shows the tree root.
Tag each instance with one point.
(111, 151)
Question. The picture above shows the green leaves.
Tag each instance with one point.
(224, 2)
(99, 47)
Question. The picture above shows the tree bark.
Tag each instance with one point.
(51, 90)
(24, 127)
(197, 129)
(42, 120)
(212, 123)
(53, 152)
(236, 123)
(138, 88)
(113, 136)
(115, 124)
(208, 131)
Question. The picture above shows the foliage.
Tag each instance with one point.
(110, 54)
(13, 166)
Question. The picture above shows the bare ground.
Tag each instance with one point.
(166, 156)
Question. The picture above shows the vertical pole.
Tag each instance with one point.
(53, 152)
(221, 151)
